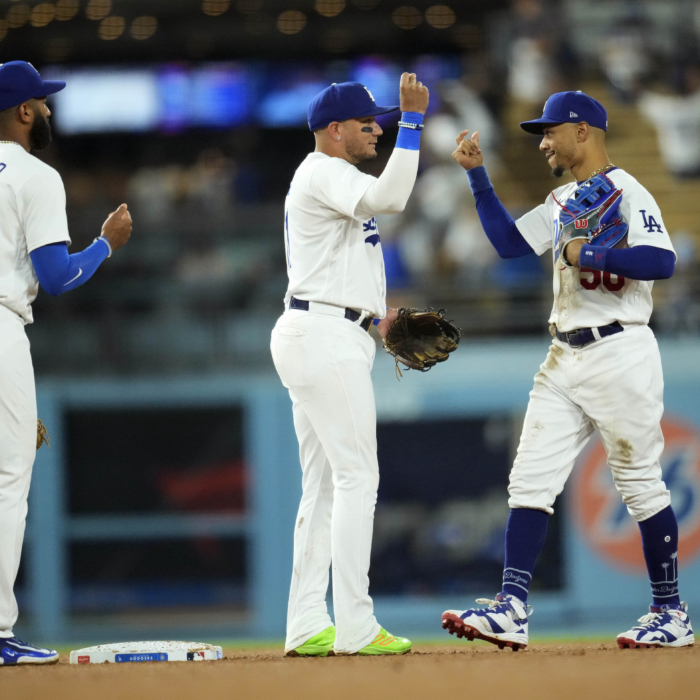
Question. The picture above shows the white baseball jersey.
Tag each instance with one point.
(334, 255)
(32, 214)
(585, 298)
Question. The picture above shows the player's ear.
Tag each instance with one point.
(333, 130)
(25, 113)
(582, 132)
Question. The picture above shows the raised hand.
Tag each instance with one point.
(117, 228)
(414, 95)
(468, 154)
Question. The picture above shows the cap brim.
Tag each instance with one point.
(376, 111)
(536, 126)
(50, 87)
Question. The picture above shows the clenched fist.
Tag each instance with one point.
(468, 154)
(117, 228)
(414, 95)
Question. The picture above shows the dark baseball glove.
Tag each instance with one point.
(42, 435)
(421, 339)
(592, 213)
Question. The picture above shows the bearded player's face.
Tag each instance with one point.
(559, 146)
(361, 138)
(40, 132)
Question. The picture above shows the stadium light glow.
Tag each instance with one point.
(440, 16)
(66, 9)
(42, 14)
(291, 22)
(214, 8)
(111, 28)
(18, 15)
(329, 8)
(406, 17)
(143, 27)
(98, 9)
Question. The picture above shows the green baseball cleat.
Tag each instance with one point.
(385, 643)
(319, 645)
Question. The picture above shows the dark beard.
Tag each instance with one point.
(558, 171)
(40, 133)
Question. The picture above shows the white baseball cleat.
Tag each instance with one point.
(503, 623)
(663, 626)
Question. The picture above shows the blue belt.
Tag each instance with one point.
(584, 336)
(350, 314)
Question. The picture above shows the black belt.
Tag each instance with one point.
(350, 314)
(584, 336)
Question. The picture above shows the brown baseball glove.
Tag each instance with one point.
(42, 435)
(421, 339)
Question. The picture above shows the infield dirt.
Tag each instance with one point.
(572, 671)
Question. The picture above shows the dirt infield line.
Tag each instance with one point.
(545, 672)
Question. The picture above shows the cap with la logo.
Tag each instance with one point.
(572, 107)
(342, 101)
(20, 81)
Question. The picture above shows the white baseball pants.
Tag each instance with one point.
(325, 360)
(17, 451)
(614, 385)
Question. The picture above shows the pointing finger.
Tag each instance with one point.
(461, 136)
(475, 138)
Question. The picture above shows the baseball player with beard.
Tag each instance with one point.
(603, 369)
(323, 354)
(33, 249)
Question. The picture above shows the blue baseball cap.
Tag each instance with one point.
(20, 81)
(343, 101)
(572, 107)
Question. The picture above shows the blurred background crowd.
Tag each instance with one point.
(194, 113)
(172, 474)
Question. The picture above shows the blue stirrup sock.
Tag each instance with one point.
(660, 544)
(525, 533)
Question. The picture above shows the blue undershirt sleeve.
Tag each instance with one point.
(498, 224)
(59, 272)
(642, 262)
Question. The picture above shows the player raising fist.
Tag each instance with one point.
(33, 249)
(324, 355)
(603, 369)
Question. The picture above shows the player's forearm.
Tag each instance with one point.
(498, 224)
(390, 193)
(59, 272)
(642, 262)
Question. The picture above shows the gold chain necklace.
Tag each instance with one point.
(600, 170)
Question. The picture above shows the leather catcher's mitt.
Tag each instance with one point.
(421, 339)
(592, 213)
(42, 435)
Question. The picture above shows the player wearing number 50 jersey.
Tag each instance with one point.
(603, 369)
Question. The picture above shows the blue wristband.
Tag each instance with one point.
(479, 179)
(410, 138)
(593, 257)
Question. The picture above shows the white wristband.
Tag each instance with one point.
(109, 247)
